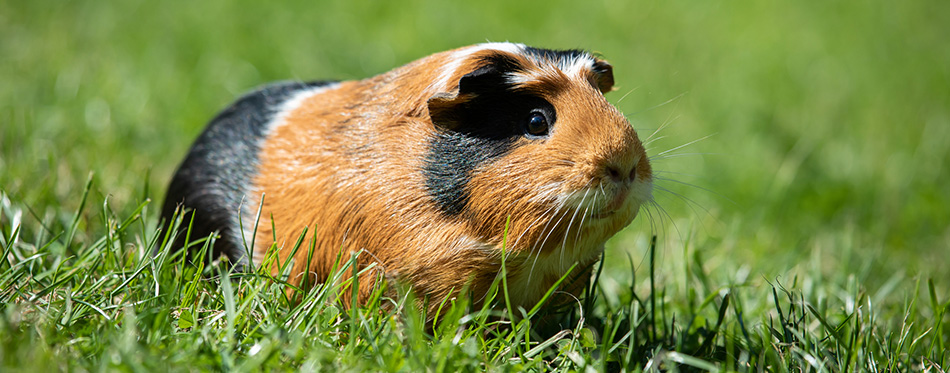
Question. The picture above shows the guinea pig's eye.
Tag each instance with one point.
(537, 124)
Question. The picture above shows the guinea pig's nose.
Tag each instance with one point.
(620, 174)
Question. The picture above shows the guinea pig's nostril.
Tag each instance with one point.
(619, 174)
(614, 174)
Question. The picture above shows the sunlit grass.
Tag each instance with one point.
(110, 304)
(802, 222)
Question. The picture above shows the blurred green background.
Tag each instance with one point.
(822, 126)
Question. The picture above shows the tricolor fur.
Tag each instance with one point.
(422, 167)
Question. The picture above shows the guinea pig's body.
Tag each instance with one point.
(431, 169)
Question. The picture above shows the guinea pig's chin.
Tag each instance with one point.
(622, 216)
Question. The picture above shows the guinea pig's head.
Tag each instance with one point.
(526, 149)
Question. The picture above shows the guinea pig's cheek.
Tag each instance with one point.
(642, 192)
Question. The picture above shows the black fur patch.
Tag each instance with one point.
(221, 164)
(483, 125)
(449, 164)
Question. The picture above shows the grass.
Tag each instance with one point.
(805, 229)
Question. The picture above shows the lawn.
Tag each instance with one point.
(801, 150)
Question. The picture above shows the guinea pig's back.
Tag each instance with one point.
(220, 166)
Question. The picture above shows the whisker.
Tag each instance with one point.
(540, 245)
(677, 97)
(531, 225)
(580, 226)
(690, 185)
(550, 232)
(530, 251)
(660, 157)
(593, 202)
(692, 204)
(650, 140)
(660, 172)
(653, 223)
(569, 224)
(668, 216)
(656, 131)
(669, 119)
(627, 94)
(562, 213)
(686, 144)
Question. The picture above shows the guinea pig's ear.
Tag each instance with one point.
(603, 75)
(441, 109)
(445, 109)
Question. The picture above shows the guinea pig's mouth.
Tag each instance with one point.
(614, 204)
(603, 214)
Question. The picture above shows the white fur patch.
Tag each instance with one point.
(294, 102)
(442, 83)
(519, 78)
(577, 66)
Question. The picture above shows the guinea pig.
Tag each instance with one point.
(431, 170)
